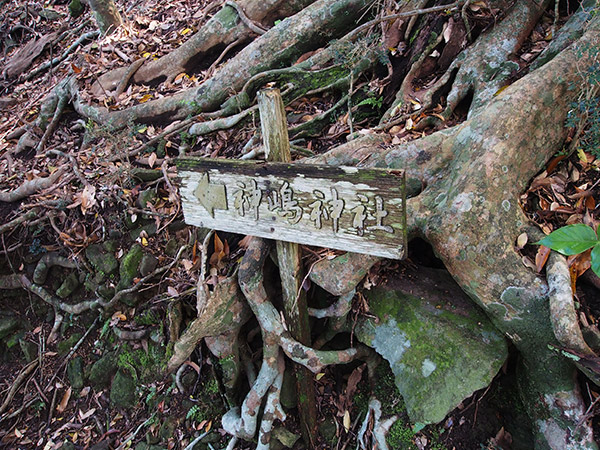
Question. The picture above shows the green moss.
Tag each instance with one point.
(401, 436)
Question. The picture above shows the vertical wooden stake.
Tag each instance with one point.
(277, 148)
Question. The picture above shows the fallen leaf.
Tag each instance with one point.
(83, 416)
(152, 159)
(521, 241)
(541, 257)
(65, 400)
(347, 422)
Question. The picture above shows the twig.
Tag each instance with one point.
(74, 164)
(134, 434)
(249, 23)
(53, 63)
(350, 103)
(139, 284)
(60, 107)
(465, 19)
(15, 385)
(73, 350)
(191, 445)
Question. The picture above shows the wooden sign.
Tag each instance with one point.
(345, 208)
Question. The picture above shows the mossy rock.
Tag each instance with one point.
(122, 390)
(68, 286)
(145, 197)
(128, 270)
(103, 262)
(440, 346)
(7, 326)
(66, 345)
(75, 373)
(29, 349)
(148, 264)
(103, 370)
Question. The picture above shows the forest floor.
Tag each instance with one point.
(46, 392)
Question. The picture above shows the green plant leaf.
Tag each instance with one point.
(596, 259)
(571, 239)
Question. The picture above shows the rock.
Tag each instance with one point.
(75, 373)
(122, 390)
(287, 438)
(148, 264)
(68, 286)
(149, 228)
(129, 266)
(105, 291)
(103, 370)
(68, 446)
(110, 245)
(145, 197)
(8, 324)
(29, 349)
(66, 345)
(440, 346)
(328, 430)
(102, 262)
(128, 270)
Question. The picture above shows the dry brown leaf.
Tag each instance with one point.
(65, 400)
(541, 257)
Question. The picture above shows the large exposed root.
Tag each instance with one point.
(482, 69)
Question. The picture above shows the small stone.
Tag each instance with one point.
(68, 286)
(66, 345)
(149, 228)
(148, 264)
(102, 262)
(106, 292)
(122, 390)
(145, 197)
(29, 349)
(75, 373)
(110, 245)
(286, 437)
(103, 370)
(7, 326)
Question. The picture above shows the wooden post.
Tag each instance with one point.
(277, 148)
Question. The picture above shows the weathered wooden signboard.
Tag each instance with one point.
(345, 208)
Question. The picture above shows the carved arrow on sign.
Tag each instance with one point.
(211, 196)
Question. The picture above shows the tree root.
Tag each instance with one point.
(8, 226)
(31, 187)
(242, 422)
(477, 71)
(379, 428)
(47, 261)
(221, 30)
(564, 318)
